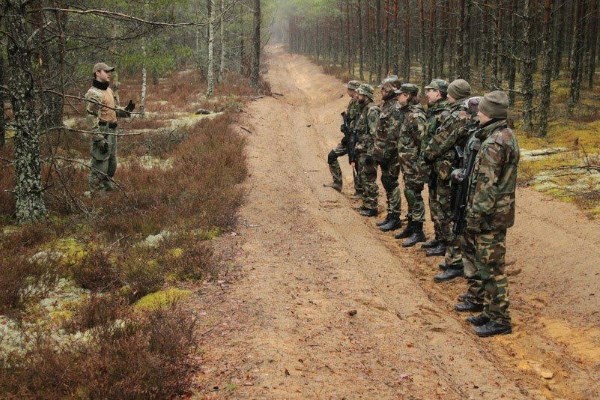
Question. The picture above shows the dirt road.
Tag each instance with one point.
(327, 307)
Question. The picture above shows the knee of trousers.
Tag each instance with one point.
(332, 157)
(389, 182)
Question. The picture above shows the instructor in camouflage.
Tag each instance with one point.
(412, 131)
(349, 118)
(102, 107)
(385, 151)
(490, 212)
(365, 137)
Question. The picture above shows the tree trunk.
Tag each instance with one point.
(361, 60)
(559, 39)
(142, 108)
(512, 64)
(28, 188)
(2, 120)
(528, 67)
(210, 73)
(545, 90)
(577, 54)
(593, 41)
(255, 72)
(406, 61)
(223, 43)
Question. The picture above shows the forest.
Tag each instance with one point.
(106, 295)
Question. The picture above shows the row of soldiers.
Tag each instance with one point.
(463, 150)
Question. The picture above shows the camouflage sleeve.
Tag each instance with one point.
(445, 138)
(93, 102)
(485, 191)
(381, 137)
(372, 120)
(418, 128)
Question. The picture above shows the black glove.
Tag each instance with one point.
(130, 106)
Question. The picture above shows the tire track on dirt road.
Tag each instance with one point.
(326, 306)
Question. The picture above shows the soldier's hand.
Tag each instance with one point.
(130, 106)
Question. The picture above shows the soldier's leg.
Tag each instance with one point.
(98, 174)
(413, 186)
(444, 199)
(334, 165)
(435, 210)
(490, 253)
(390, 171)
(472, 300)
(369, 180)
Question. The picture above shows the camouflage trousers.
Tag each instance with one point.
(483, 257)
(453, 256)
(412, 172)
(443, 210)
(435, 209)
(334, 166)
(103, 164)
(390, 171)
(367, 170)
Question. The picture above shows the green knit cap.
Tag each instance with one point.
(459, 89)
(494, 105)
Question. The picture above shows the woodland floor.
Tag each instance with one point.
(282, 324)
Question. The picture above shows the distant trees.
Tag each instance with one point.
(497, 43)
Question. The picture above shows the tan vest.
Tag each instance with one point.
(106, 97)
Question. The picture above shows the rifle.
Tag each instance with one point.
(462, 193)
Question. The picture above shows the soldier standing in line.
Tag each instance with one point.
(385, 151)
(412, 131)
(453, 255)
(490, 212)
(440, 153)
(365, 135)
(102, 106)
(349, 119)
(436, 93)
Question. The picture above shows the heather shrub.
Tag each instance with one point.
(96, 272)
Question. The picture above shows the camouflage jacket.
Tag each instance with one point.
(440, 149)
(388, 131)
(434, 115)
(352, 113)
(492, 185)
(101, 104)
(412, 130)
(365, 129)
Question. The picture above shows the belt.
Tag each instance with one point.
(111, 125)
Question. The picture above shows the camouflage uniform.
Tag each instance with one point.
(101, 106)
(440, 152)
(413, 168)
(434, 116)
(385, 152)
(350, 116)
(367, 168)
(490, 212)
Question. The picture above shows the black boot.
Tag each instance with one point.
(443, 266)
(438, 250)
(416, 236)
(478, 320)
(368, 212)
(467, 305)
(493, 328)
(385, 221)
(393, 223)
(406, 232)
(453, 271)
(334, 185)
(430, 244)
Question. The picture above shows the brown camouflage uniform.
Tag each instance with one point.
(385, 152)
(490, 212)
(367, 168)
(412, 131)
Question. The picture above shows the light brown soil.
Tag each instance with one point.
(284, 329)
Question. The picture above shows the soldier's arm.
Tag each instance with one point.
(485, 191)
(93, 102)
(445, 138)
(372, 120)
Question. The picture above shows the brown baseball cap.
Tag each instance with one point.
(102, 67)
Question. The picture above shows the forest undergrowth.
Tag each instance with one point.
(93, 299)
(566, 163)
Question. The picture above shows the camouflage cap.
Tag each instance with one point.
(102, 67)
(391, 81)
(408, 88)
(353, 85)
(438, 84)
(366, 90)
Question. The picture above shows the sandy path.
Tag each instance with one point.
(284, 330)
